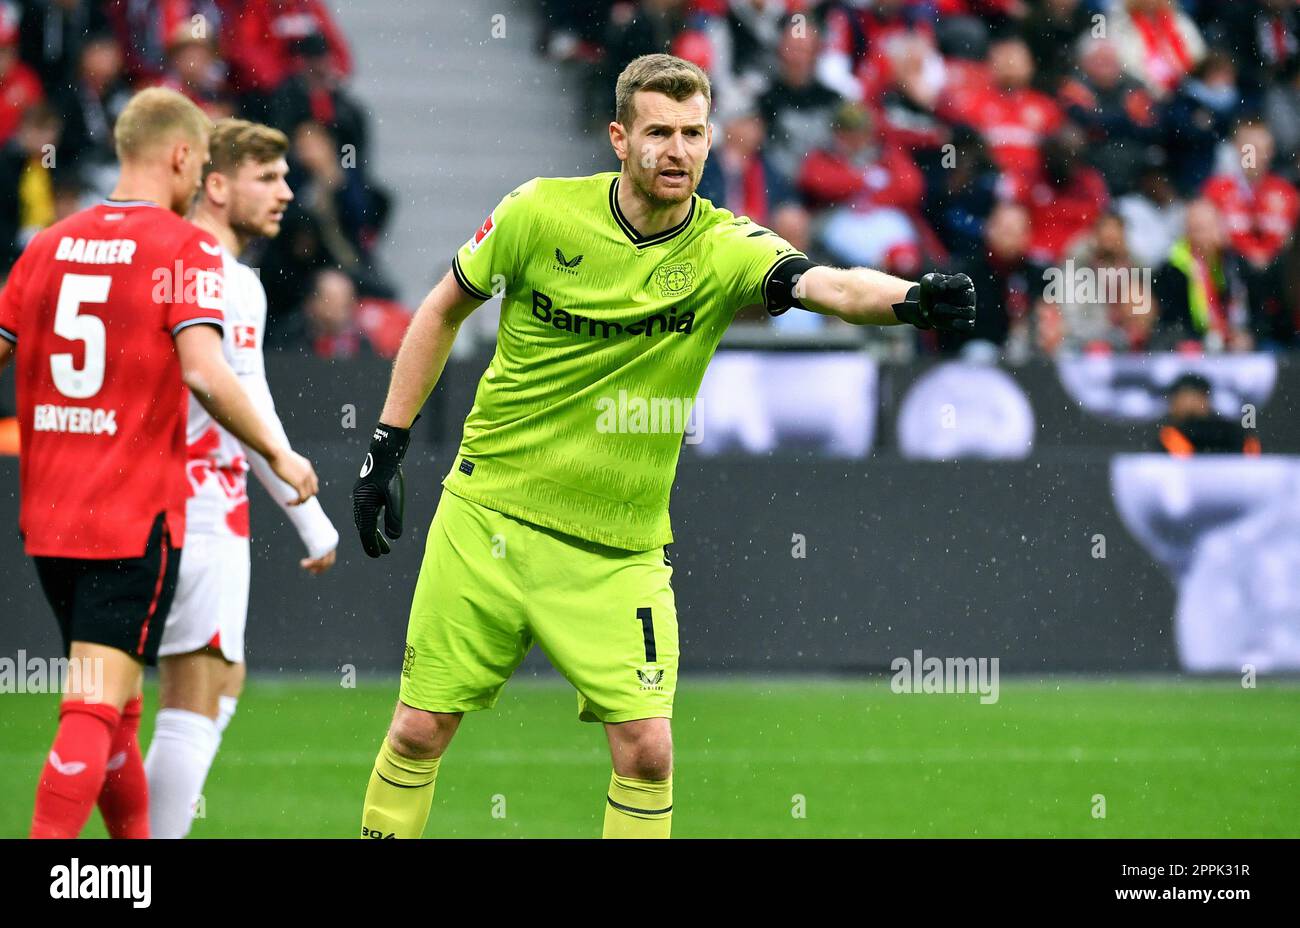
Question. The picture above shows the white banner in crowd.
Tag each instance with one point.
(965, 410)
(1135, 386)
(755, 401)
(1228, 530)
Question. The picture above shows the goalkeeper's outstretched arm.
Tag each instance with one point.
(424, 350)
(863, 296)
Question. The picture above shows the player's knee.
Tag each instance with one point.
(650, 763)
(645, 753)
(419, 734)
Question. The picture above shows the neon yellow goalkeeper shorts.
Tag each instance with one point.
(491, 585)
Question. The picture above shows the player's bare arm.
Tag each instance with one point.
(6, 352)
(863, 296)
(216, 387)
(424, 350)
(380, 489)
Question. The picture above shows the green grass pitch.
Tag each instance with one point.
(1172, 758)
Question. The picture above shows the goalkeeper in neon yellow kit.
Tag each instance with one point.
(551, 527)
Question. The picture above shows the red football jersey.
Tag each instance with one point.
(93, 305)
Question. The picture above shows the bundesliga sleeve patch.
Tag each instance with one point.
(483, 232)
(208, 290)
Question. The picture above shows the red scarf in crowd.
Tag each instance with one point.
(1166, 55)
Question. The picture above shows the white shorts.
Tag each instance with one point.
(211, 604)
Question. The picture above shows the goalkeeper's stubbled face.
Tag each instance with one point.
(668, 144)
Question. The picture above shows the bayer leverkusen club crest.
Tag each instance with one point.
(675, 279)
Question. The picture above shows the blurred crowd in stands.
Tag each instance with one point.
(1115, 175)
(67, 67)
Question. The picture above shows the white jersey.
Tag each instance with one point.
(218, 462)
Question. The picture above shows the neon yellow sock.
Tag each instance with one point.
(399, 795)
(639, 808)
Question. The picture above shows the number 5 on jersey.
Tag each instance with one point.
(70, 323)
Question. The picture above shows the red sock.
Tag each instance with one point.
(124, 800)
(74, 770)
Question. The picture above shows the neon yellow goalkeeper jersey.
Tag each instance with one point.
(603, 341)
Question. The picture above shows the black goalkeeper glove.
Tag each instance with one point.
(940, 301)
(381, 489)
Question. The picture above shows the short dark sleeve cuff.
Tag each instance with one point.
(780, 280)
(217, 324)
(459, 273)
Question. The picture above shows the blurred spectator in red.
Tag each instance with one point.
(26, 169)
(1260, 209)
(145, 27)
(738, 176)
(1158, 43)
(1197, 118)
(1013, 117)
(20, 87)
(263, 47)
(384, 323)
(53, 34)
(330, 318)
(1066, 200)
(195, 70)
(1199, 290)
(859, 38)
(317, 94)
(1051, 27)
(90, 105)
(1115, 313)
(1113, 109)
(797, 109)
(873, 194)
(743, 40)
(1153, 216)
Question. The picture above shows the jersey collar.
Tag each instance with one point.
(109, 201)
(635, 237)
